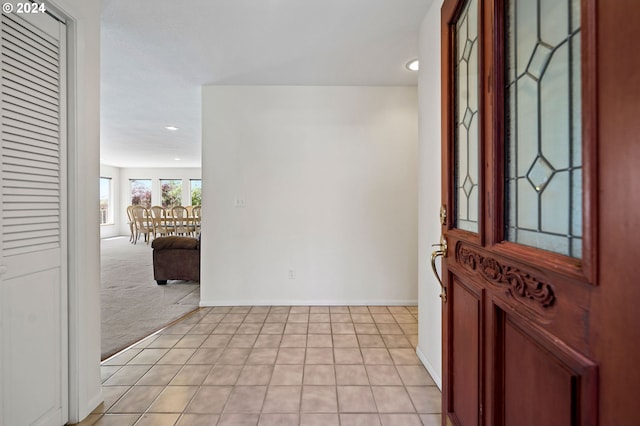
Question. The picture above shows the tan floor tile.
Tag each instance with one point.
(347, 356)
(342, 328)
(300, 310)
(159, 375)
(107, 371)
(285, 374)
(90, 420)
(319, 328)
(296, 328)
(405, 356)
(294, 341)
(339, 309)
(404, 318)
(291, 356)
(279, 420)
(256, 318)
(383, 375)
(359, 420)
(198, 420)
(148, 356)
(319, 356)
(276, 318)
(312, 419)
(319, 375)
(351, 375)
(173, 399)
(319, 310)
(280, 309)
(319, 317)
(191, 341)
(376, 356)
(262, 356)
(345, 341)
(191, 375)
(249, 328)
(413, 339)
(415, 375)
(319, 399)
(234, 356)
(260, 309)
(356, 399)
(221, 309)
(212, 318)
(177, 356)
(165, 341)
(205, 356)
(273, 328)
(209, 400)
(426, 399)
(371, 341)
(137, 400)
(431, 419)
(246, 399)
(255, 375)
(226, 328)
(110, 394)
(268, 341)
(362, 318)
(240, 309)
(117, 420)
(409, 328)
(231, 318)
(396, 341)
(282, 399)
(378, 310)
(400, 420)
(177, 329)
(392, 399)
(127, 375)
(366, 329)
(319, 341)
(398, 310)
(203, 328)
(242, 341)
(223, 375)
(298, 318)
(358, 310)
(217, 341)
(346, 317)
(389, 328)
(238, 419)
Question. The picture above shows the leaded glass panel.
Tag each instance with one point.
(466, 176)
(543, 125)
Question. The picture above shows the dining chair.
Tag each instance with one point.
(143, 223)
(181, 222)
(161, 225)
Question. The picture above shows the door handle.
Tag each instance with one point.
(442, 251)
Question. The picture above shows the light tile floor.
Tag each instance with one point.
(276, 365)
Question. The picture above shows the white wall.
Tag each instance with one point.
(113, 229)
(430, 309)
(155, 174)
(329, 179)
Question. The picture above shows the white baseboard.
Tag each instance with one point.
(247, 302)
(432, 371)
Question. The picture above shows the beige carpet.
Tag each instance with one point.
(132, 304)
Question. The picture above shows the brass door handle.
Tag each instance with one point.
(442, 251)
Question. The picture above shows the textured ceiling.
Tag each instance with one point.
(156, 55)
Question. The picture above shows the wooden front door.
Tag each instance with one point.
(541, 184)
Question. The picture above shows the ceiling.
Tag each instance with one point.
(156, 55)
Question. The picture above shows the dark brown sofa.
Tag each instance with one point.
(176, 258)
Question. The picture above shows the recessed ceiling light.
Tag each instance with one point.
(177, 159)
(412, 65)
(172, 128)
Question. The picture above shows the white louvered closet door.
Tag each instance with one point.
(33, 282)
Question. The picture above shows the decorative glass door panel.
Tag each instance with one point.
(466, 119)
(543, 171)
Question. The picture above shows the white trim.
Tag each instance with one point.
(430, 369)
(251, 302)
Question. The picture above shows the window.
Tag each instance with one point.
(171, 192)
(141, 192)
(106, 206)
(196, 192)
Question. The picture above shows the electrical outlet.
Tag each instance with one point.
(291, 274)
(239, 202)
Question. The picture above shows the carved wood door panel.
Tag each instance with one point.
(519, 191)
